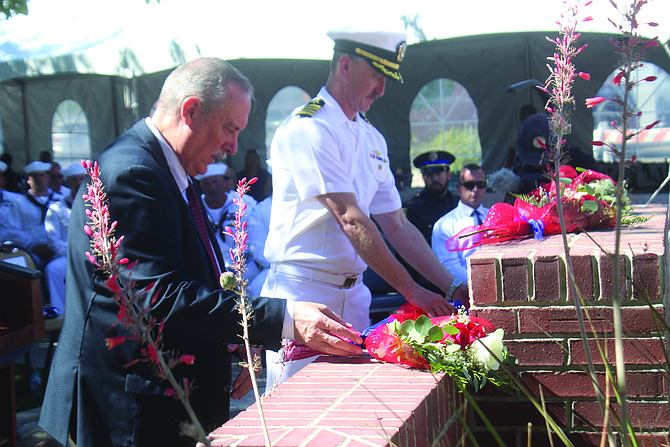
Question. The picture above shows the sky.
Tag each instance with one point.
(290, 28)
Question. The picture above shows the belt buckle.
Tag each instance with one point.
(349, 282)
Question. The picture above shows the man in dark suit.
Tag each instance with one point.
(93, 395)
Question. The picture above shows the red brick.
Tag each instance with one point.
(579, 384)
(547, 279)
(640, 319)
(642, 414)
(646, 276)
(607, 274)
(504, 318)
(537, 352)
(636, 351)
(519, 414)
(562, 320)
(582, 264)
(483, 284)
(514, 275)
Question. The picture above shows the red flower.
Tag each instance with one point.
(187, 358)
(114, 341)
(590, 102)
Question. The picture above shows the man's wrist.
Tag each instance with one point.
(456, 283)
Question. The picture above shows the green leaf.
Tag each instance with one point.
(435, 333)
(451, 330)
(590, 205)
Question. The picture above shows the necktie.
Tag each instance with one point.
(199, 217)
(477, 216)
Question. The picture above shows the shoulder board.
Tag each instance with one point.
(366, 119)
(311, 107)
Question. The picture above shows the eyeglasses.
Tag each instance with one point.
(471, 185)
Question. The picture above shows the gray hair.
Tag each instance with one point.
(206, 79)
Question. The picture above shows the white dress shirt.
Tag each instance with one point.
(448, 226)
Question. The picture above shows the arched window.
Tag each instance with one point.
(280, 106)
(69, 134)
(443, 117)
(650, 98)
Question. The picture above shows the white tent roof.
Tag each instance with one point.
(131, 37)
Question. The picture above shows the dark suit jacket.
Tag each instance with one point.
(91, 390)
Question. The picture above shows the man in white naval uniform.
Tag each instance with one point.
(219, 193)
(57, 224)
(330, 174)
(26, 214)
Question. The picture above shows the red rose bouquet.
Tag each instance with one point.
(469, 349)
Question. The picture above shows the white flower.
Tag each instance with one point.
(490, 358)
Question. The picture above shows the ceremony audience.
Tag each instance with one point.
(6, 199)
(469, 211)
(57, 224)
(27, 213)
(218, 188)
(252, 168)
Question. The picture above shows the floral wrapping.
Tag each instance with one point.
(588, 199)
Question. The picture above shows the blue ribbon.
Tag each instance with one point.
(538, 228)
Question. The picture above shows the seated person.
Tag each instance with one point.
(469, 211)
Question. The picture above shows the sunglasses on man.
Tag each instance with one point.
(471, 185)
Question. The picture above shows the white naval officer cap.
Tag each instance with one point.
(384, 50)
(36, 166)
(75, 168)
(214, 169)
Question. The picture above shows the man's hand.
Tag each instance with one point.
(462, 293)
(433, 304)
(242, 384)
(320, 328)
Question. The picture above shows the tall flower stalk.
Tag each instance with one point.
(134, 312)
(235, 281)
(560, 107)
(631, 46)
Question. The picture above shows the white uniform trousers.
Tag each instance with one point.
(352, 304)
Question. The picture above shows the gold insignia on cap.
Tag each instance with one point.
(311, 107)
(432, 156)
(402, 48)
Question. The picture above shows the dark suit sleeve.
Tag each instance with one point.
(159, 233)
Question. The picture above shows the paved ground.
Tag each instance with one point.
(32, 436)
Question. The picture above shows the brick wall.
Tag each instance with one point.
(522, 286)
(354, 401)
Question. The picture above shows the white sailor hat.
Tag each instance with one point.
(3, 167)
(214, 169)
(75, 168)
(383, 50)
(37, 166)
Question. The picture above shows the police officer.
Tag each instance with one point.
(434, 200)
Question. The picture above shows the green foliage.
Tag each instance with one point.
(13, 7)
(463, 142)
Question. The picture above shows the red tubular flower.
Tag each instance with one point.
(187, 359)
(114, 341)
(151, 351)
(590, 102)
